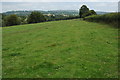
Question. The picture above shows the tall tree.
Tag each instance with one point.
(83, 10)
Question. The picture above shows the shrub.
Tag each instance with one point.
(91, 12)
(36, 17)
(11, 20)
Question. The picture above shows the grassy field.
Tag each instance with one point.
(60, 49)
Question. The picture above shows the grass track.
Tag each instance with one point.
(60, 49)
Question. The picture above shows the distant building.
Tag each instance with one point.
(49, 14)
(65, 15)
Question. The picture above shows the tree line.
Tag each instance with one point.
(37, 17)
(34, 17)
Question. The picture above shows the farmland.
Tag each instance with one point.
(60, 49)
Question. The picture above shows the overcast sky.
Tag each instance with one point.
(97, 5)
(59, 0)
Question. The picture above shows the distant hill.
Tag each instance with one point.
(54, 12)
(100, 12)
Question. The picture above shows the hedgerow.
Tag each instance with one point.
(111, 18)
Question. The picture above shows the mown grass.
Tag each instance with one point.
(60, 49)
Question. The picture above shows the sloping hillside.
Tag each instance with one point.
(60, 49)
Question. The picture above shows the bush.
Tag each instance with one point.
(111, 18)
(3, 23)
(36, 17)
(91, 12)
(11, 20)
